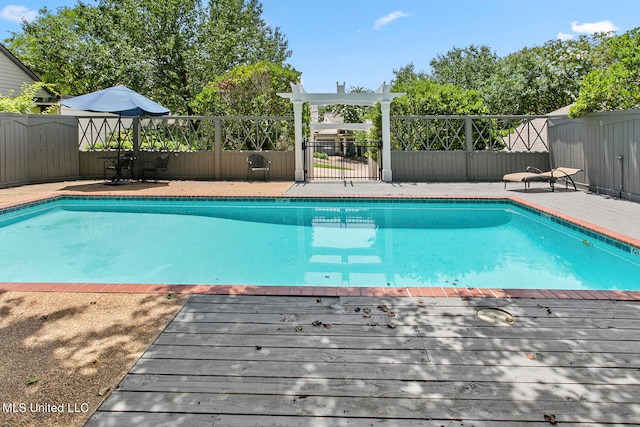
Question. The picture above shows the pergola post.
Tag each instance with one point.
(299, 153)
(385, 108)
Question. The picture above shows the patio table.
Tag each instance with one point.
(118, 164)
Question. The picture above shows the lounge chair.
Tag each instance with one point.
(536, 175)
(160, 164)
(257, 163)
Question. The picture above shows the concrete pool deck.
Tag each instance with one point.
(613, 217)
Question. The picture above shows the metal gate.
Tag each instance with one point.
(342, 160)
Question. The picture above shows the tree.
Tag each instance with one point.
(542, 79)
(426, 97)
(168, 50)
(617, 85)
(351, 113)
(407, 74)
(23, 103)
(55, 47)
(533, 80)
(237, 35)
(251, 90)
(248, 90)
(467, 68)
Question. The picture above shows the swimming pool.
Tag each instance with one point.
(308, 242)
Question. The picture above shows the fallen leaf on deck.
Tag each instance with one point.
(391, 326)
(258, 347)
(383, 308)
(366, 315)
(420, 301)
(367, 310)
(316, 323)
(531, 356)
(298, 328)
(550, 418)
(391, 314)
(357, 309)
(328, 326)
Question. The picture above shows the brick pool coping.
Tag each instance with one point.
(317, 291)
(424, 292)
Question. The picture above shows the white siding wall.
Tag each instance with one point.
(12, 77)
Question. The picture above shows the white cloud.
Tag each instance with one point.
(13, 13)
(389, 18)
(593, 27)
(565, 36)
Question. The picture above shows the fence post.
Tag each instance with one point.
(217, 148)
(299, 151)
(385, 108)
(468, 142)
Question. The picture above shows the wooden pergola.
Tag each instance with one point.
(382, 96)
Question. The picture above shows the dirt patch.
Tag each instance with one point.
(61, 354)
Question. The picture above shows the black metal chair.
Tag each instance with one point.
(160, 164)
(257, 163)
(117, 166)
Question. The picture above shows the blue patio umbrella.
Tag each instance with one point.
(117, 100)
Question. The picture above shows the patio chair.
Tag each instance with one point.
(534, 174)
(116, 167)
(257, 163)
(159, 164)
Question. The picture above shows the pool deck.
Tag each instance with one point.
(257, 356)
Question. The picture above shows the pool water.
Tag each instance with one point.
(314, 242)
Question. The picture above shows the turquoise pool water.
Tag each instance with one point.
(310, 242)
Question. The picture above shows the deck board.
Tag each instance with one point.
(228, 360)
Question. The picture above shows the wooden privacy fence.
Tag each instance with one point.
(47, 148)
(37, 148)
(466, 148)
(202, 148)
(425, 148)
(606, 146)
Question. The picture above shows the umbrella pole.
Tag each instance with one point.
(119, 134)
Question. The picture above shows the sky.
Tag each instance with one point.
(361, 42)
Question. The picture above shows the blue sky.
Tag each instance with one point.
(361, 42)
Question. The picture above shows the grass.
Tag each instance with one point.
(320, 165)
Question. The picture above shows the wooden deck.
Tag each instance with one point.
(259, 361)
